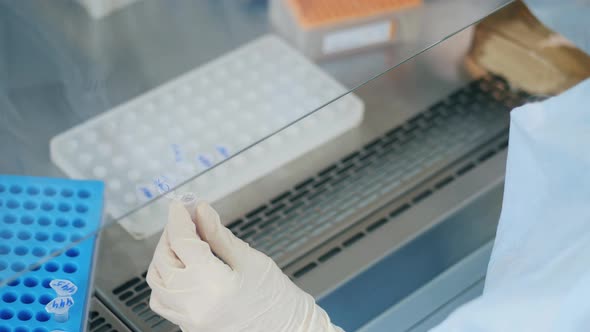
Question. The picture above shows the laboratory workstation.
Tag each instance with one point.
(294, 165)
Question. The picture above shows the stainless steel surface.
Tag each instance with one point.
(403, 256)
(324, 205)
(60, 68)
(402, 93)
(434, 210)
(85, 67)
(432, 303)
(101, 319)
(389, 100)
(120, 260)
(130, 299)
(392, 208)
(439, 315)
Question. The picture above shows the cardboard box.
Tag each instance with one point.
(513, 44)
(322, 28)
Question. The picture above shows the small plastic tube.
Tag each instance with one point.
(61, 318)
(60, 308)
(190, 203)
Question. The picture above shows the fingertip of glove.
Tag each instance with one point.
(176, 209)
(205, 215)
(203, 208)
(180, 224)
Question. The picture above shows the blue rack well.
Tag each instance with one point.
(48, 230)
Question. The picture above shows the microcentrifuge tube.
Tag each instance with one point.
(190, 203)
(60, 306)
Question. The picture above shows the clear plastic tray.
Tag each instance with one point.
(158, 140)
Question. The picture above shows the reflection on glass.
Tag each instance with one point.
(86, 97)
(40, 216)
(48, 231)
(327, 28)
(153, 143)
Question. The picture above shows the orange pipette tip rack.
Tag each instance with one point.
(316, 13)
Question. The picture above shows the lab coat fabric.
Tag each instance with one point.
(539, 274)
(571, 18)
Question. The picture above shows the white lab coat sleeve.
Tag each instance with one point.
(539, 274)
(571, 18)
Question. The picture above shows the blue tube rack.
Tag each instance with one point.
(48, 230)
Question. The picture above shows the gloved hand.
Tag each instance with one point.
(242, 290)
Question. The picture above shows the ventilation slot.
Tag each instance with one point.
(135, 294)
(460, 169)
(304, 270)
(465, 169)
(486, 156)
(126, 285)
(331, 253)
(442, 183)
(377, 224)
(399, 210)
(421, 196)
(350, 241)
(100, 319)
(444, 127)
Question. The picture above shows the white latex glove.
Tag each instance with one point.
(194, 289)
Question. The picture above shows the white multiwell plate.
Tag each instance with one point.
(188, 125)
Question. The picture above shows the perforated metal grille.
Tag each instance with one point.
(135, 294)
(439, 136)
(398, 208)
(102, 320)
(478, 112)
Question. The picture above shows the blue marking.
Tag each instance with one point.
(223, 151)
(62, 302)
(67, 289)
(204, 160)
(146, 192)
(64, 286)
(161, 184)
(177, 153)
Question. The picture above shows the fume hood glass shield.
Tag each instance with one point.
(156, 110)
